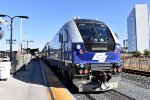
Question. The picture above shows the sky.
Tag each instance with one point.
(47, 16)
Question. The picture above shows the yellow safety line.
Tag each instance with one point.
(48, 94)
(58, 91)
(47, 88)
(60, 94)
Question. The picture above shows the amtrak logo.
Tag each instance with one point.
(101, 57)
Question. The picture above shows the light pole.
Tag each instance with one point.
(28, 42)
(11, 25)
(13, 41)
(1, 33)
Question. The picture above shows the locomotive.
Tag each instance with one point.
(86, 52)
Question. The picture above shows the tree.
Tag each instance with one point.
(116, 34)
(136, 53)
(1, 31)
(146, 52)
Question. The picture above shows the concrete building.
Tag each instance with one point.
(138, 28)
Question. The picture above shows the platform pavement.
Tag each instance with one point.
(25, 85)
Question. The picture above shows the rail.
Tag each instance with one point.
(120, 96)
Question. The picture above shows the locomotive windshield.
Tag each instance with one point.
(97, 36)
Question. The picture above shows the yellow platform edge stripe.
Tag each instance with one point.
(47, 88)
(58, 90)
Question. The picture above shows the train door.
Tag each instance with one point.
(61, 47)
(64, 40)
(63, 44)
(48, 52)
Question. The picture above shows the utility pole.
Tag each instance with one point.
(20, 42)
(11, 30)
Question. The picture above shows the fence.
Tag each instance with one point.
(20, 61)
(142, 64)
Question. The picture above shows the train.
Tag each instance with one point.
(87, 52)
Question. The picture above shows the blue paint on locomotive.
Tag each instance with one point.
(87, 57)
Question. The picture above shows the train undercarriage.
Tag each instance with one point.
(90, 78)
(92, 83)
(95, 77)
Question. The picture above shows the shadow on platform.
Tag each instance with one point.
(31, 73)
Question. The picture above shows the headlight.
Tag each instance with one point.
(82, 65)
(118, 47)
(78, 46)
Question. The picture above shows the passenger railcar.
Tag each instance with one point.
(87, 52)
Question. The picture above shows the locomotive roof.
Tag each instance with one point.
(88, 21)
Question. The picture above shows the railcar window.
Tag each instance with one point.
(103, 33)
(96, 36)
(86, 29)
(65, 36)
(60, 37)
(91, 32)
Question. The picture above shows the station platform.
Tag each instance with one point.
(37, 82)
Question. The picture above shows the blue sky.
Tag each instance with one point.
(47, 16)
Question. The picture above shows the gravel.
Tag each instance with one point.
(135, 86)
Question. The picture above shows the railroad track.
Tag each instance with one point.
(142, 73)
(90, 97)
(107, 95)
(119, 96)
